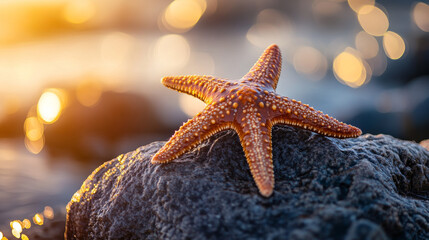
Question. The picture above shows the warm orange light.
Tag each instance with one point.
(38, 219)
(36, 146)
(172, 52)
(16, 225)
(15, 233)
(183, 14)
(349, 69)
(26, 224)
(373, 20)
(16, 229)
(48, 212)
(421, 16)
(33, 128)
(356, 5)
(393, 45)
(190, 105)
(24, 237)
(311, 62)
(366, 44)
(79, 11)
(88, 93)
(49, 106)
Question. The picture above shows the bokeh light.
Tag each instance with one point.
(36, 146)
(26, 223)
(421, 16)
(16, 225)
(50, 105)
(373, 20)
(190, 105)
(378, 64)
(48, 212)
(38, 219)
(33, 128)
(182, 15)
(79, 11)
(394, 45)
(88, 92)
(16, 228)
(356, 5)
(171, 52)
(1, 236)
(271, 26)
(24, 237)
(350, 69)
(366, 44)
(310, 62)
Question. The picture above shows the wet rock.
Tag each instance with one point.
(371, 187)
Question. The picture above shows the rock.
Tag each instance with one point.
(371, 187)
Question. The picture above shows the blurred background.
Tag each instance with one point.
(80, 79)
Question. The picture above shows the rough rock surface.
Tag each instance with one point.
(371, 187)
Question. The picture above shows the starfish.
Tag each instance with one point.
(251, 107)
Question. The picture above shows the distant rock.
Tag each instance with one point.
(371, 187)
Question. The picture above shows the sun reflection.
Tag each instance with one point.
(421, 16)
(393, 45)
(373, 20)
(50, 105)
(33, 128)
(366, 44)
(182, 15)
(172, 52)
(356, 5)
(190, 105)
(311, 62)
(38, 219)
(79, 11)
(48, 212)
(350, 69)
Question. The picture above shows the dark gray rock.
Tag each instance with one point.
(371, 187)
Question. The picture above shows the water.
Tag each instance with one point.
(30, 182)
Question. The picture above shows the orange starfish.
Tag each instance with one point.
(251, 107)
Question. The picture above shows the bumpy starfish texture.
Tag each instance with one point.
(251, 107)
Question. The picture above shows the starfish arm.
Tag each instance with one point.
(202, 126)
(266, 71)
(291, 112)
(255, 138)
(202, 87)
